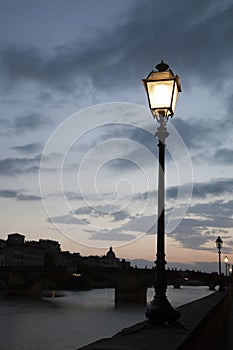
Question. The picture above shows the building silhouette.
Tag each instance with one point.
(15, 251)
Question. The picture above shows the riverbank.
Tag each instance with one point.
(201, 326)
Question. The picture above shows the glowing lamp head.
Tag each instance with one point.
(219, 243)
(162, 89)
(226, 259)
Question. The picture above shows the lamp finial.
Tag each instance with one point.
(162, 67)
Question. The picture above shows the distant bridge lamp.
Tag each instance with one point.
(162, 88)
(226, 263)
(219, 244)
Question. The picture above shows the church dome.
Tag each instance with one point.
(110, 254)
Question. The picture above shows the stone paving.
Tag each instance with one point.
(227, 340)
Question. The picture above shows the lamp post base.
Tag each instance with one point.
(160, 311)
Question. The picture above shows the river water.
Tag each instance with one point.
(75, 319)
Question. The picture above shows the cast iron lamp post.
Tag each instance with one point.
(162, 88)
(226, 262)
(219, 244)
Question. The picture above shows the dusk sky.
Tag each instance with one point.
(79, 160)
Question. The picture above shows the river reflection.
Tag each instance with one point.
(75, 319)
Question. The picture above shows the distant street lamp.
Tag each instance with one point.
(219, 244)
(162, 88)
(226, 262)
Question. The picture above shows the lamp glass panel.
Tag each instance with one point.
(160, 76)
(219, 243)
(160, 93)
(175, 95)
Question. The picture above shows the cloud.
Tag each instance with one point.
(112, 211)
(18, 166)
(4, 124)
(29, 148)
(195, 31)
(143, 196)
(200, 50)
(18, 195)
(207, 221)
(218, 212)
(115, 130)
(8, 193)
(22, 124)
(45, 97)
(68, 219)
(84, 210)
(201, 226)
(5, 128)
(203, 222)
(30, 122)
(120, 215)
(72, 196)
(213, 188)
(202, 190)
(194, 132)
(26, 197)
(112, 236)
(122, 165)
(128, 145)
(224, 156)
(217, 187)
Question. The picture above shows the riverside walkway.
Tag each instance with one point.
(227, 338)
(204, 324)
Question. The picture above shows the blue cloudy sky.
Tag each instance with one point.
(78, 159)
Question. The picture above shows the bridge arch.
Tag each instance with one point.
(131, 285)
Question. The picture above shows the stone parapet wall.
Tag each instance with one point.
(201, 327)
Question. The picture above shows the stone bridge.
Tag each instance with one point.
(27, 281)
(131, 284)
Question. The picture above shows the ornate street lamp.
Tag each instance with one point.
(162, 89)
(219, 244)
(226, 262)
